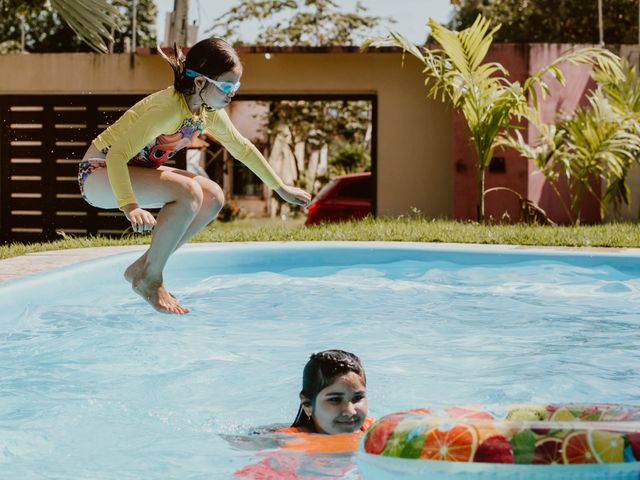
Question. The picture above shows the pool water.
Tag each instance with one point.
(97, 385)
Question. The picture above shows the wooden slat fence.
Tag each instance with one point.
(43, 138)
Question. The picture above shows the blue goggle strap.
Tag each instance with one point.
(226, 87)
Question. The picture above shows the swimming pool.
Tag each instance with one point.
(97, 385)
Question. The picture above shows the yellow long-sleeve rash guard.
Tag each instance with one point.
(155, 128)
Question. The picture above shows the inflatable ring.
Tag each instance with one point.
(517, 441)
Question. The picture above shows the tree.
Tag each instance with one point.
(146, 12)
(553, 21)
(464, 14)
(485, 97)
(46, 30)
(298, 22)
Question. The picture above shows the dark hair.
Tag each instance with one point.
(211, 57)
(320, 372)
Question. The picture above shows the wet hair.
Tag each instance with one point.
(210, 57)
(321, 371)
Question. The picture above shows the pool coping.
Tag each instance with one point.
(38, 262)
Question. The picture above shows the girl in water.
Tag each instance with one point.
(124, 166)
(333, 399)
(333, 404)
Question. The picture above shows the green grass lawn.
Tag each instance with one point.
(403, 229)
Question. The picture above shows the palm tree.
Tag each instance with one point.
(601, 141)
(93, 20)
(487, 99)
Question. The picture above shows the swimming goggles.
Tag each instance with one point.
(224, 87)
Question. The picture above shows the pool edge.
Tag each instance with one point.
(41, 262)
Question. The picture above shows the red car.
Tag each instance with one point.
(343, 198)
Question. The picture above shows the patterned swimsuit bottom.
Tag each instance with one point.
(85, 169)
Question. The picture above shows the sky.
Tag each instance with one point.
(411, 15)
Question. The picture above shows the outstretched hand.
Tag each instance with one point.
(141, 220)
(294, 195)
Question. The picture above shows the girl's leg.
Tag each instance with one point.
(212, 203)
(180, 197)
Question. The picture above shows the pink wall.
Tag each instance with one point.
(521, 60)
(563, 100)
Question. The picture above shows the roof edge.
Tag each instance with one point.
(295, 49)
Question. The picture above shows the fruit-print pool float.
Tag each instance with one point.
(515, 441)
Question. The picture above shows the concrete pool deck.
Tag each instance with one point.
(38, 262)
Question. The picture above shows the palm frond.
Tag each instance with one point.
(623, 93)
(601, 142)
(477, 40)
(92, 20)
(396, 39)
(601, 58)
(452, 46)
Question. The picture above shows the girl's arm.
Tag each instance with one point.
(220, 126)
(137, 127)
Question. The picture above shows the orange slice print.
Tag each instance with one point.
(576, 449)
(548, 451)
(455, 444)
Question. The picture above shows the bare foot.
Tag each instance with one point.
(154, 292)
(135, 269)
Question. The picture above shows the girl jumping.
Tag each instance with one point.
(124, 166)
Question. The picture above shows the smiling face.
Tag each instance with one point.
(212, 95)
(341, 407)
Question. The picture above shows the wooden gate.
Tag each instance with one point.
(43, 138)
